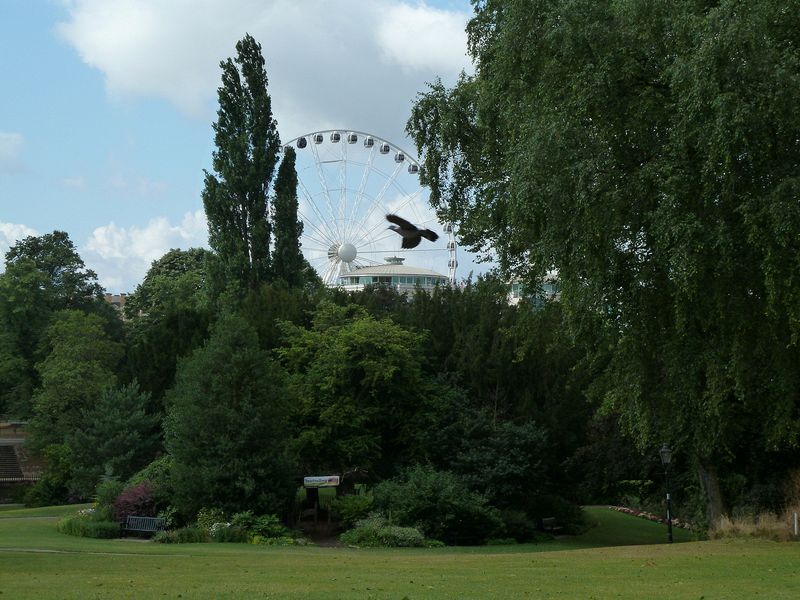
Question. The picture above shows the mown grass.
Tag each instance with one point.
(37, 562)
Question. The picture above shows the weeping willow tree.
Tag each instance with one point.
(650, 152)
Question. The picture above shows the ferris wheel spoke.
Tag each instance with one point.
(343, 187)
(361, 187)
(322, 237)
(322, 222)
(324, 185)
(330, 272)
(378, 201)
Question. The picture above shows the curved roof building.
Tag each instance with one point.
(395, 274)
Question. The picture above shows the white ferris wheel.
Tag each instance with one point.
(348, 181)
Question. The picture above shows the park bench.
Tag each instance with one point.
(550, 524)
(143, 524)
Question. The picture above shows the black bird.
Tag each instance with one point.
(411, 234)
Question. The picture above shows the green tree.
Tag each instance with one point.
(235, 196)
(68, 283)
(42, 275)
(288, 261)
(116, 438)
(649, 153)
(79, 367)
(364, 400)
(227, 426)
(177, 279)
(168, 316)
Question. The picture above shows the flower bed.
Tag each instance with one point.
(643, 514)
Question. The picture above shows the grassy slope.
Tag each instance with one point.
(584, 567)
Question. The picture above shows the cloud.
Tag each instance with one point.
(11, 152)
(424, 38)
(74, 183)
(349, 63)
(121, 256)
(10, 233)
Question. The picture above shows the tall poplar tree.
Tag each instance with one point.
(288, 262)
(236, 195)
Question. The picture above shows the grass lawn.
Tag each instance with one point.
(38, 562)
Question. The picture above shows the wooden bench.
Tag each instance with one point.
(550, 524)
(143, 524)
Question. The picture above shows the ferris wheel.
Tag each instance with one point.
(348, 181)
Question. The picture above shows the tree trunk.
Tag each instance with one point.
(710, 484)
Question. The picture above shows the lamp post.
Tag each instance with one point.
(666, 459)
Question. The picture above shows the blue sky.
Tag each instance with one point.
(106, 105)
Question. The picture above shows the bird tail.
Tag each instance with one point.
(428, 234)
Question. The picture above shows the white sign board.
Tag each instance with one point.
(321, 481)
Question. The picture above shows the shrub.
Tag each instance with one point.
(439, 504)
(501, 541)
(267, 526)
(158, 473)
(376, 532)
(352, 508)
(518, 525)
(206, 517)
(185, 535)
(85, 526)
(107, 491)
(283, 540)
(135, 500)
(229, 534)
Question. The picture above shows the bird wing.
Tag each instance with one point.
(428, 234)
(401, 222)
(411, 242)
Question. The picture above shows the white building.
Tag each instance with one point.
(395, 274)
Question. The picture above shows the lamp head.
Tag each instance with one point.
(666, 455)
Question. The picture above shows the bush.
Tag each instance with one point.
(266, 526)
(105, 494)
(283, 540)
(206, 517)
(352, 508)
(439, 504)
(186, 535)
(136, 500)
(518, 525)
(85, 526)
(225, 533)
(376, 532)
(158, 473)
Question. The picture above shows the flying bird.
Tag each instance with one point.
(411, 234)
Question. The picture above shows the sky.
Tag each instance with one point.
(106, 106)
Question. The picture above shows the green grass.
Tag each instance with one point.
(37, 562)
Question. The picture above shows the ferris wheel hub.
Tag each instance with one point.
(347, 252)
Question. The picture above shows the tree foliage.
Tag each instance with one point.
(288, 261)
(43, 275)
(649, 153)
(226, 428)
(81, 364)
(236, 194)
(364, 401)
(116, 438)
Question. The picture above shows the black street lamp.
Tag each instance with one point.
(666, 459)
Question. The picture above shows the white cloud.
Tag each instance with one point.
(10, 233)
(349, 63)
(424, 38)
(11, 152)
(74, 183)
(121, 256)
